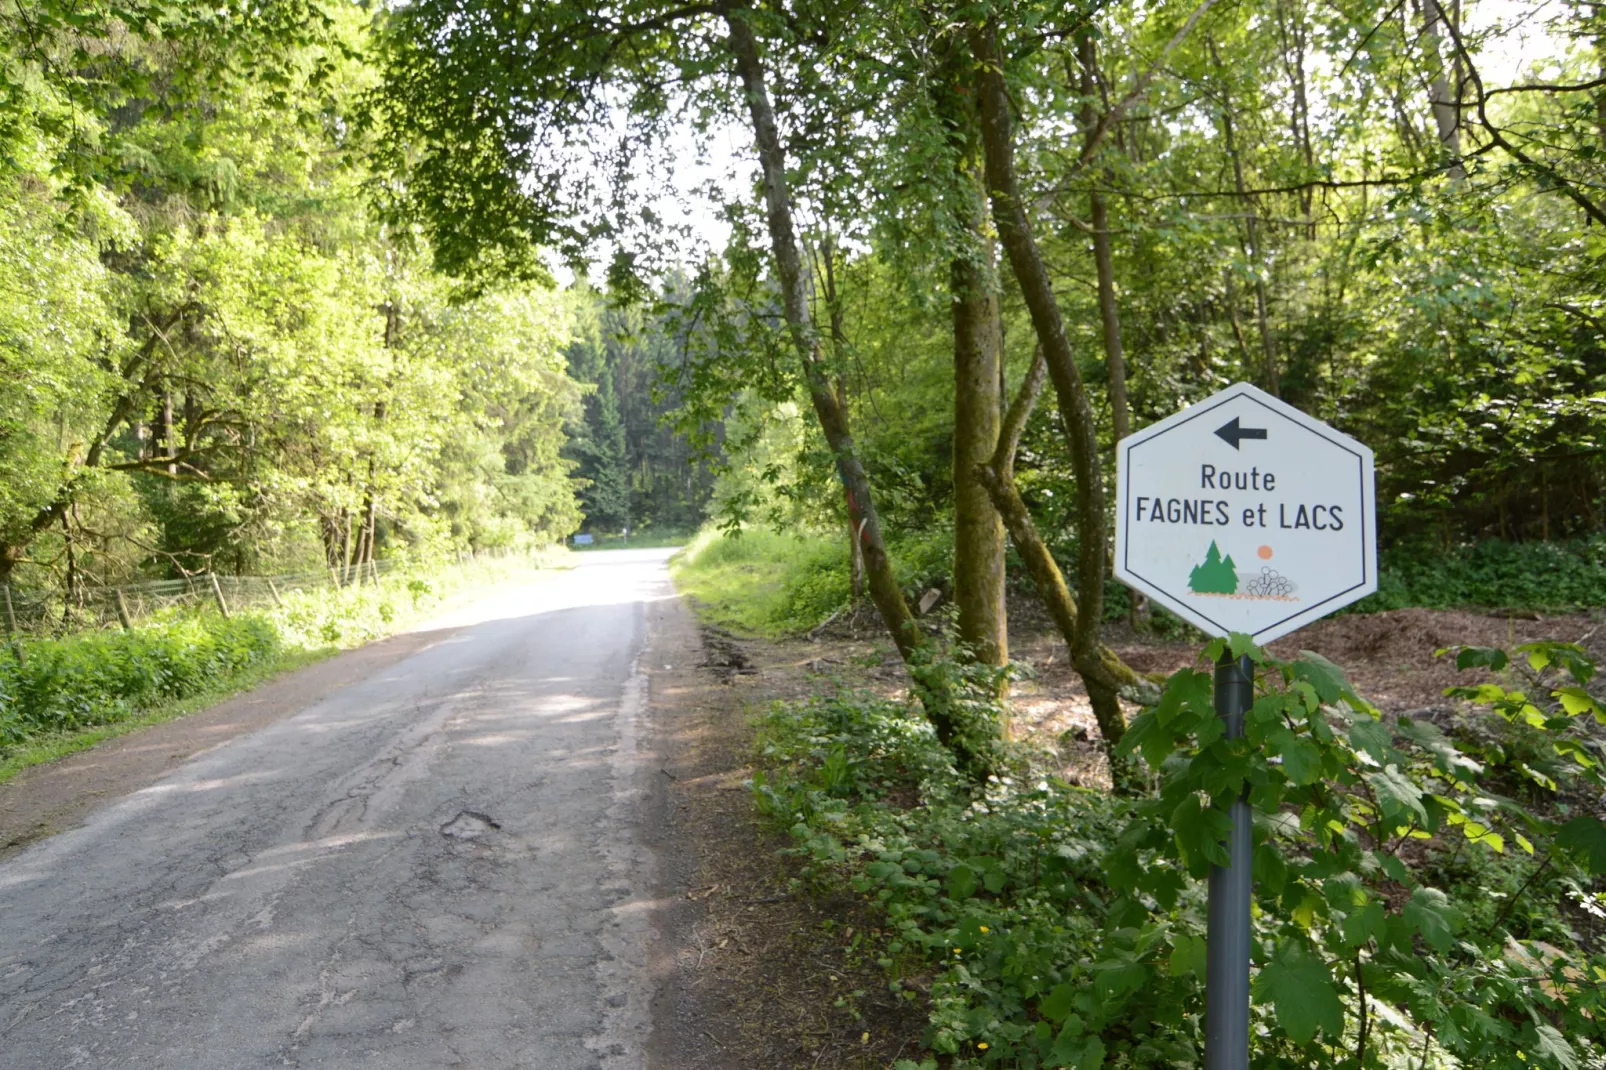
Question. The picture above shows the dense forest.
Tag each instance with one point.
(222, 354)
(309, 284)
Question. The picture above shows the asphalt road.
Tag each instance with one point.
(441, 865)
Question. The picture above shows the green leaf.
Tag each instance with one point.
(1241, 644)
(1429, 737)
(1398, 796)
(1429, 912)
(1552, 1046)
(1057, 1005)
(1300, 988)
(1302, 761)
(962, 881)
(1268, 709)
(1587, 836)
(1373, 738)
(1075, 1053)
(1488, 657)
(1365, 923)
(1201, 832)
(1188, 955)
(1328, 679)
(1187, 688)
(1576, 700)
(1570, 656)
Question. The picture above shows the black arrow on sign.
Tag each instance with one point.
(1232, 434)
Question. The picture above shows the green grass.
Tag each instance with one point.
(645, 540)
(74, 692)
(770, 583)
(52, 745)
(763, 582)
(1549, 577)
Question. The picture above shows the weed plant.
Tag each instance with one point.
(106, 677)
(1542, 576)
(1424, 899)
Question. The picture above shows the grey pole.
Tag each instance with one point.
(1227, 935)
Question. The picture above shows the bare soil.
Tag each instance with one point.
(757, 971)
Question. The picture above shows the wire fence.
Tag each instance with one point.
(32, 611)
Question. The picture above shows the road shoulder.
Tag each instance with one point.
(752, 969)
(46, 799)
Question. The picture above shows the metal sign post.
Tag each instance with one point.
(1227, 925)
(1243, 514)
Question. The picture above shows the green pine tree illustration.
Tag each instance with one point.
(1215, 575)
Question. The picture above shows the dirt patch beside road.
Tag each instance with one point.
(756, 970)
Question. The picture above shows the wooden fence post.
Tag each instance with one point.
(11, 626)
(217, 592)
(274, 591)
(122, 610)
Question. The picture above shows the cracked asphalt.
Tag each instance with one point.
(440, 865)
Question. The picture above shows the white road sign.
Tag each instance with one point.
(1243, 514)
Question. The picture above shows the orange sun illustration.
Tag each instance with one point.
(1265, 553)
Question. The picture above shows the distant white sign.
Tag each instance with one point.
(1243, 514)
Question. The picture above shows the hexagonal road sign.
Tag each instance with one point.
(1242, 514)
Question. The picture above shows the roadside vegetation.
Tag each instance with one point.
(774, 583)
(62, 694)
(286, 300)
(1426, 896)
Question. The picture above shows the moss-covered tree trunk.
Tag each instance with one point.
(879, 575)
(998, 476)
(1026, 261)
(978, 400)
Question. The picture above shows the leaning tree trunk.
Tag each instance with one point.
(883, 582)
(978, 529)
(839, 348)
(998, 476)
(1026, 260)
(1441, 99)
(1104, 266)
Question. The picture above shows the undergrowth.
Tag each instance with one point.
(1544, 576)
(768, 583)
(91, 680)
(763, 582)
(1424, 899)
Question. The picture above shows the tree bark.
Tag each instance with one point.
(978, 529)
(1443, 101)
(1026, 261)
(998, 476)
(839, 347)
(978, 393)
(1252, 230)
(884, 589)
(1103, 259)
(1295, 39)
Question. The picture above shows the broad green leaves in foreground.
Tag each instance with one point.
(1422, 874)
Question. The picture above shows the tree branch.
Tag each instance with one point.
(1139, 86)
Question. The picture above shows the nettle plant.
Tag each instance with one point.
(1422, 897)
